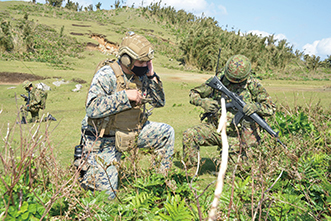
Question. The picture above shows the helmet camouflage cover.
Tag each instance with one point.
(26, 84)
(137, 47)
(237, 68)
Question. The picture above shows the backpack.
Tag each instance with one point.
(43, 97)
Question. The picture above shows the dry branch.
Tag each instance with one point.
(224, 163)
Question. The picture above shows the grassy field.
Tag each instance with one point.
(68, 107)
(302, 191)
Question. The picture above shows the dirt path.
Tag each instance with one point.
(17, 78)
(185, 77)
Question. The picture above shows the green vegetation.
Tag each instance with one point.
(266, 183)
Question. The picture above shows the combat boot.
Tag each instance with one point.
(50, 117)
(23, 120)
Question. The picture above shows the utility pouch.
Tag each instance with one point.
(125, 140)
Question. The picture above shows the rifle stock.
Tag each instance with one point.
(238, 104)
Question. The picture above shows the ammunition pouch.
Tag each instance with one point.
(125, 140)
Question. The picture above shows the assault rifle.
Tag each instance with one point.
(238, 104)
(26, 99)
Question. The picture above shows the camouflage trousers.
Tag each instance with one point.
(33, 111)
(158, 136)
(205, 134)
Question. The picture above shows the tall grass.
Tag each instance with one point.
(267, 182)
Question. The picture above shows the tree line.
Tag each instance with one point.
(199, 39)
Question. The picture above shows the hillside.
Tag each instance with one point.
(182, 41)
(48, 44)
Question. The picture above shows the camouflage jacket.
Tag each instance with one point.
(35, 97)
(103, 100)
(251, 90)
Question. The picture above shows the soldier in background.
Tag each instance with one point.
(35, 100)
(117, 118)
(236, 77)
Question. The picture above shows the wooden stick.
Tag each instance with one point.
(224, 163)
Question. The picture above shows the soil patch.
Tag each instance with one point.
(73, 33)
(104, 46)
(81, 25)
(79, 80)
(17, 78)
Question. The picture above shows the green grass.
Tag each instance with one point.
(68, 107)
(264, 163)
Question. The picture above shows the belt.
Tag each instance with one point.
(90, 133)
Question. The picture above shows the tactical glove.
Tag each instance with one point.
(251, 108)
(209, 105)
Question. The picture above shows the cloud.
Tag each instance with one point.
(196, 6)
(320, 48)
(277, 37)
(222, 10)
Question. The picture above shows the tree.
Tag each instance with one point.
(72, 6)
(327, 62)
(98, 5)
(312, 62)
(90, 8)
(6, 40)
(117, 4)
(55, 3)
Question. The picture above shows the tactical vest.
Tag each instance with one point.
(126, 121)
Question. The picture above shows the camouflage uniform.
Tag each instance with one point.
(103, 100)
(205, 134)
(34, 105)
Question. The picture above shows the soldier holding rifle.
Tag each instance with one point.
(236, 77)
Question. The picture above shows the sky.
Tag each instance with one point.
(305, 24)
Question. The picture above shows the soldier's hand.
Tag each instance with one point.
(209, 105)
(134, 95)
(251, 108)
(150, 68)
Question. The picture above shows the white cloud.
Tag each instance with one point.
(222, 10)
(320, 48)
(188, 5)
(277, 37)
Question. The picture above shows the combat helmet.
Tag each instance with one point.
(27, 84)
(237, 68)
(135, 47)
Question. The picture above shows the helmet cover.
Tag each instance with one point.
(237, 68)
(27, 84)
(137, 47)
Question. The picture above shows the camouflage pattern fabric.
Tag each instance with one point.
(35, 99)
(103, 100)
(205, 134)
(158, 136)
(237, 68)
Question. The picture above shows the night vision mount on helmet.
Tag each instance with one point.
(135, 47)
(237, 68)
